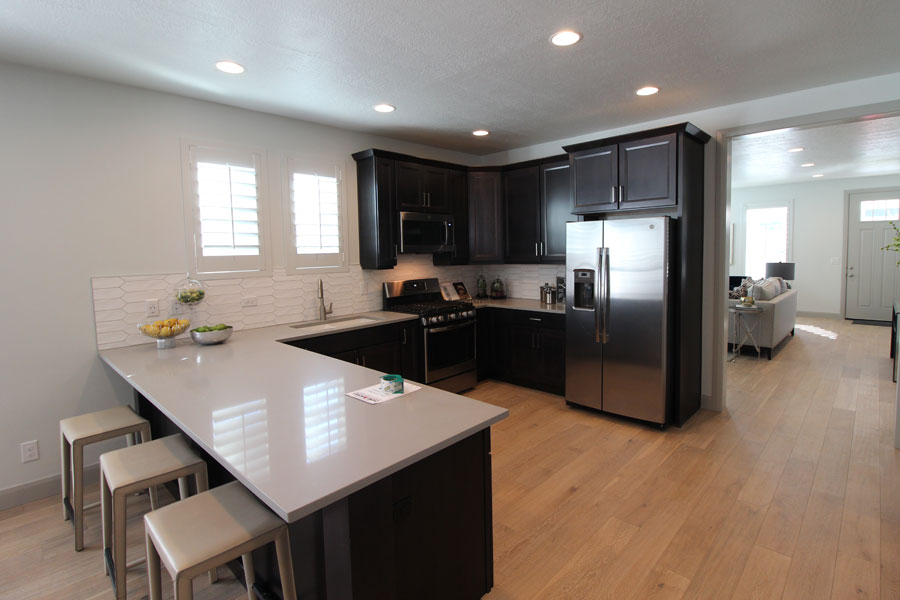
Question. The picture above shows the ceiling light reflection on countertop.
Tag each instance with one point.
(566, 37)
(480, 132)
(385, 108)
(647, 90)
(230, 67)
(808, 165)
(797, 149)
(818, 175)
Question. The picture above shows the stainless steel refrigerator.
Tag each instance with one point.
(618, 316)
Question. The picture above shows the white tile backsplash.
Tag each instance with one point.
(119, 302)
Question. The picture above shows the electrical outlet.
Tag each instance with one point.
(151, 308)
(29, 451)
(248, 301)
(177, 308)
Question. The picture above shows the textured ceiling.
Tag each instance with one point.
(451, 67)
(859, 149)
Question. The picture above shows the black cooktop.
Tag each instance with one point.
(434, 307)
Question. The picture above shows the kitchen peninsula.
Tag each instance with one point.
(384, 500)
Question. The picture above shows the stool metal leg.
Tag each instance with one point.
(119, 542)
(249, 574)
(285, 564)
(184, 588)
(154, 576)
(78, 494)
(106, 509)
(65, 471)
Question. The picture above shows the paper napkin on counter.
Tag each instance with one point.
(374, 395)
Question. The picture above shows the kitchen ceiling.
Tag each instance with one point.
(863, 148)
(453, 67)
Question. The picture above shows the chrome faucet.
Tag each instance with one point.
(320, 294)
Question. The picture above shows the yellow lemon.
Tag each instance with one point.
(165, 331)
(158, 323)
(153, 330)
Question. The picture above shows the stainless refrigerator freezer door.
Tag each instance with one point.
(584, 353)
(634, 356)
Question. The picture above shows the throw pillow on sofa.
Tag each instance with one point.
(764, 290)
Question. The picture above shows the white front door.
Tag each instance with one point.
(871, 279)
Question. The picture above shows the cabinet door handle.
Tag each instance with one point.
(403, 336)
(537, 345)
(364, 360)
(542, 248)
(534, 319)
(621, 193)
(612, 194)
(536, 249)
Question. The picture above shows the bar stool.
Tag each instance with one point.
(129, 470)
(77, 432)
(208, 530)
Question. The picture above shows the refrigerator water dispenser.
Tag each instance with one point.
(584, 289)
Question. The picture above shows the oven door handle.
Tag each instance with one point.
(450, 327)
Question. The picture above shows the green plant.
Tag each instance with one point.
(894, 245)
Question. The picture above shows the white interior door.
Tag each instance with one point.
(871, 280)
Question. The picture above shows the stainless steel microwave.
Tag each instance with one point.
(426, 232)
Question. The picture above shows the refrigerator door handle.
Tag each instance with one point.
(599, 313)
(606, 294)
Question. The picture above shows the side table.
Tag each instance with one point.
(742, 329)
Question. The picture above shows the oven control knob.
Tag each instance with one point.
(452, 316)
(424, 320)
(470, 313)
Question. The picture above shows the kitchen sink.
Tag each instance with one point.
(335, 324)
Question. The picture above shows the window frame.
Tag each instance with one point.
(789, 205)
(295, 263)
(223, 267)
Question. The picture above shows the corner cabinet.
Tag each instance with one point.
(485, 199)
(639, 171)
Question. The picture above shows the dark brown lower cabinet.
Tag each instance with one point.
(527, 348)
(392, 348)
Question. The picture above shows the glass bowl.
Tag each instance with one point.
(164, 330)
(190, 292)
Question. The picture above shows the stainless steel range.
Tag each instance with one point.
(447, 330)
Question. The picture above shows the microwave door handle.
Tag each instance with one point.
(446, 234)
(401, 235)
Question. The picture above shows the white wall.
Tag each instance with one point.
(817, 234)
(91, 178)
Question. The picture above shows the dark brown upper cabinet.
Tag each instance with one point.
(631, 172)
(422, 188)
(389, 183)
(537, 205)
(485, 199)
(522, 200)
(555, 211)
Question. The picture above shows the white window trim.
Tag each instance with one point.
(219, 270)
(790, 225)
(300, 164)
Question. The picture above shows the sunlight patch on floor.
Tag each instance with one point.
(831, 335)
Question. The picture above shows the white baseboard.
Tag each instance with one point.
(824, 315)
(42, 488)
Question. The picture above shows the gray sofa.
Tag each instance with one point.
(776, 321)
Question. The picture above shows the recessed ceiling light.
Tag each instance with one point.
(565, 38)
(797, 149)
(228, 66)
(385, 108)
(480, 132)
(647, 90)
(818, 175)
(808, 165)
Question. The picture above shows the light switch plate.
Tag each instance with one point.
(248, 301)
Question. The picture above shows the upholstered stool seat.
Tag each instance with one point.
(208, 530)
(125, 471)
(74, 434)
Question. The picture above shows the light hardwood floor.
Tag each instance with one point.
(793, 492)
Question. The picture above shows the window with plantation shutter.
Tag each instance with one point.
(226, 229)
(316, 221)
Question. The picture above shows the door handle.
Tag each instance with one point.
(536, 249)
(603, 304)
(403, 336)
(534, 319)
(849, 274)
(597, 287)
(612, 194)
(621, 193)
(364, 360)
(606, 293)
(542, 248)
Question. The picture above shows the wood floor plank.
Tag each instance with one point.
(763, 576)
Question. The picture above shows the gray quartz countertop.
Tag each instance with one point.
(522, 304)
(278, 419)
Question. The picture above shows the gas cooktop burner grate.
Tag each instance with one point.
(427, 308)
